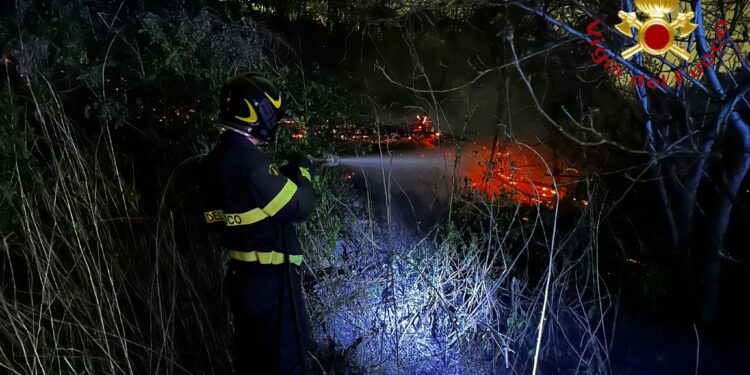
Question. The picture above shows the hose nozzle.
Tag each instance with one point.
(327, 161)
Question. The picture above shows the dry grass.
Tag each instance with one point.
(90, 286)
(466, 299)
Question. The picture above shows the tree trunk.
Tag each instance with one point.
(736, 174)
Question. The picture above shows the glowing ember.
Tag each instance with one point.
(419, 130)
(515, 173)
(299, 132)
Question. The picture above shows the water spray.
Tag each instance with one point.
(377, 161)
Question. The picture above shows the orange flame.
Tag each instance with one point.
(517, 174)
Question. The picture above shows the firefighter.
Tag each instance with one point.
(256, 204)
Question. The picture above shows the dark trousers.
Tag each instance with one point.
(267, 339)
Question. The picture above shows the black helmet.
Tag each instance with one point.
(251, 104)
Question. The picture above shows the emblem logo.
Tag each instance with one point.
(656, 35)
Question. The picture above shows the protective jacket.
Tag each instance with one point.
(255, 203)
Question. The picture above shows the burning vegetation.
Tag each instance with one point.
(417, 131)
(519, 174)
(522, 175)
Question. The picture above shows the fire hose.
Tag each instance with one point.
(326, 161)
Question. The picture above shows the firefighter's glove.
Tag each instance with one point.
(299, 166)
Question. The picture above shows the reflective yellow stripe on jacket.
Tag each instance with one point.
(256, 214)
(281, 199)
(231, 220)
(246, 218)
(271, 257)
(215, 216)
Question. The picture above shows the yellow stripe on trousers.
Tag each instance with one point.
(271, 257)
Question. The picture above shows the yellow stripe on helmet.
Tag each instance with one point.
(276, 102)
(253, 118)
